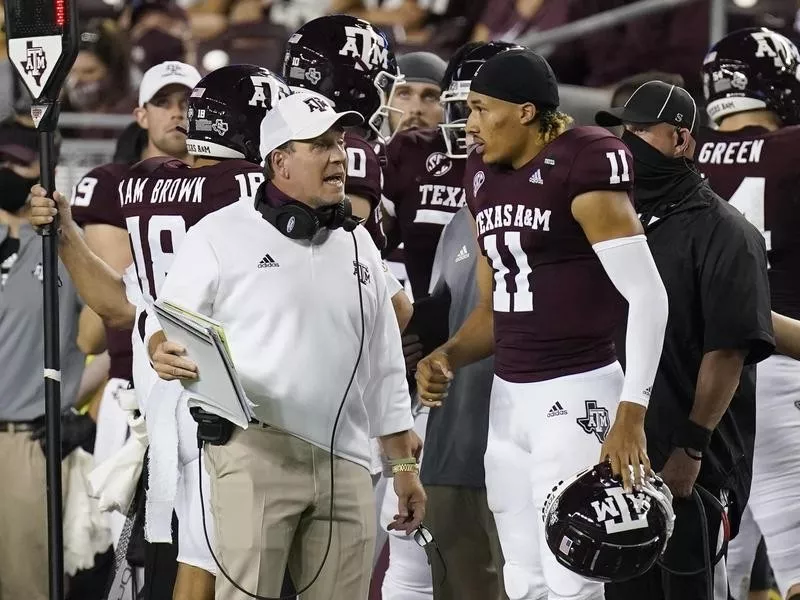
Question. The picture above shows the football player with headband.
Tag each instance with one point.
(422, 191)
(160, 200)
(313, 337)
(563, 249)
(752, 88)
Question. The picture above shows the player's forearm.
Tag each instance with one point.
(787, 335)
(717, 381)
(474, 341)
(630, 267)
(397, 445)
(100, 286)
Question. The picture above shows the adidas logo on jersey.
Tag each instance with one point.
(267, 262)
(463, 254)
(537, 177)
(556, 410)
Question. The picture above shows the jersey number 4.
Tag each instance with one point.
(749, 200)
(504, 300)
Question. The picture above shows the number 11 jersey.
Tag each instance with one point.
(162, 198)
(757, 172)
(555, 309)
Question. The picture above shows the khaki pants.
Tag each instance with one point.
(270, 496)
(463, 527)
(23, 518)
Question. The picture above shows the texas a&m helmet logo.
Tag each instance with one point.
(35, 62)
(266, 91)
(438, 163)
(621, 511)
(367, 46)
(596, 420)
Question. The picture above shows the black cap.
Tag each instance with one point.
(654, 102)
(422, 67)
(518, 76)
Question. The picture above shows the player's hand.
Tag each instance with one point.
(411, 501)
(44, 209)
(412, 351)
(680, 472)
(433, 378)
(170, 362)
(625, 446)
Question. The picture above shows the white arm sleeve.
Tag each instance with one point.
(630, 267)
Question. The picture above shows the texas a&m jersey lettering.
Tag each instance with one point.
(160, 207)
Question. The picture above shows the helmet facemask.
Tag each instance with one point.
(456, 112)
(385, 83)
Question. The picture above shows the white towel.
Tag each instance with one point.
(113, 482)
(86, 530)
(162, 431)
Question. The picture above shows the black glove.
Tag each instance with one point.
(76, 430)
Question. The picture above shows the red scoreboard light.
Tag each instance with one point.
(42, 34)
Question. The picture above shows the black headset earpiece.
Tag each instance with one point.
(297, 221)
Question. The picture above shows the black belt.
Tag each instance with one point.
(18, 426)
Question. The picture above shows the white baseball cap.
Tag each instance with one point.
(301, 116)
(163, 74)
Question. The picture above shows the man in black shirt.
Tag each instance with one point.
(700, 423)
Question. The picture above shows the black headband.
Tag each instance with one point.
(518, 76)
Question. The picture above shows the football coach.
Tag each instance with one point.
(301, 292)
(700, 423)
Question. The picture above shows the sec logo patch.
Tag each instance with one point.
(438, 164)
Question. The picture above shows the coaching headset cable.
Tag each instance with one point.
(698, 493)
(333, 440)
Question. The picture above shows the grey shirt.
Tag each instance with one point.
(22, 334)
(455, 441)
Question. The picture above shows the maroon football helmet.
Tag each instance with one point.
(597, 530)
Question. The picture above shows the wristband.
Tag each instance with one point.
(691, 435)
(405, 468)
(402, 461)
(691, 454)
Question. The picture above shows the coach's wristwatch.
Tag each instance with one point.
(405, 468)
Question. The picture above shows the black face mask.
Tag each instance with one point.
(658, 177)
(14, 190)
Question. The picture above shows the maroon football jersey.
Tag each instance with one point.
(756, 171)
(162, 198)
(94, 202)
(555, 309)
(425, 188)
(365, 179)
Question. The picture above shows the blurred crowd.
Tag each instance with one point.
(121, 39)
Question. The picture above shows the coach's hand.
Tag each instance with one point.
(44, 209)
(410, 502)
(625, 446)
(433, 378)
(680, 472)
(169, 359)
